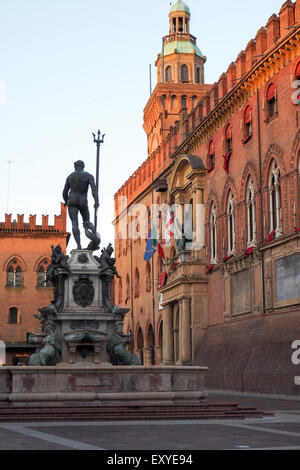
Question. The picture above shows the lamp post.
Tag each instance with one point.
(98, 141)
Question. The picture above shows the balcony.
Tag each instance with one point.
(179, 37)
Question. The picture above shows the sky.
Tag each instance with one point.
(71, 67)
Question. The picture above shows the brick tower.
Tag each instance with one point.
(180, 78)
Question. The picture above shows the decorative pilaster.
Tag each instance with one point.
(168, 346)
(185, 311)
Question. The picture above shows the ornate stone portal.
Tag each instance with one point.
(80, 326)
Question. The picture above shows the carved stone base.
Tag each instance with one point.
(99, 384)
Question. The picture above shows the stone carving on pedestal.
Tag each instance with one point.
(107, 272)
(84, 339)
(57, 273)
(49, 341)
(116, 347)
(83, 292)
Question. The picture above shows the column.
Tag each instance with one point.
(148, 357)
(168, 348)
(185, 329)
(158, 355)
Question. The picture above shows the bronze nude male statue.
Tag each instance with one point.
(75, 197)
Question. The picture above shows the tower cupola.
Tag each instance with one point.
(181, 61)
(179, 18)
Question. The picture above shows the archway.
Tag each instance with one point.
(149, 353)
(140, 345)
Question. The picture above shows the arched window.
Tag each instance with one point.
(14, 275)
(275, 198)
(140, 344)
(13, 315)
(150, 345)
(148, 277)
(271, 101)
(211, 155)
(127, 293)
(251, 214)
(42, 271)
(194, 101)
(180, 23)
(137, 284)
(228, 139)
(188, 227)
(183, 101)
(247, 124)
(213, 234)
(184, 73)
(159, 358)
(174, 25)
(154, 143)
(120, 291)
(173, 101)
(169, 73)
(296, 95)
(197, 75)
(297, 71)
(148, 221)
(230, 225)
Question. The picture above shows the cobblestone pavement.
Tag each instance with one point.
(281, 431)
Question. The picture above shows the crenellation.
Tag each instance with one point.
(7, 222)
(19, 225)
(207, 106)
(240, 65)
(287, 17)
(297, 12)
(45, 223)
(250, 54)
(231, 76)
(261, 41)
(222, 86)
(20, 222)
(273, 31)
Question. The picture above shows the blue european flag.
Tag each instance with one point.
(151, 247)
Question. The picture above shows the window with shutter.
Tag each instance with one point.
(271, 99)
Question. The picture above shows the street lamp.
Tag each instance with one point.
(98, 141)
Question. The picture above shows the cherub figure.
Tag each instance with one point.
(58, 260)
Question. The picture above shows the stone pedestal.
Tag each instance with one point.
(101, 385)
(83, 324)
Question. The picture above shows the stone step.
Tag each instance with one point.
(134, 412)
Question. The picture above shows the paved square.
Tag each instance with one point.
(281, 431)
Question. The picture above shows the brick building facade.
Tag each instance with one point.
(25, 255)
(231, 148)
